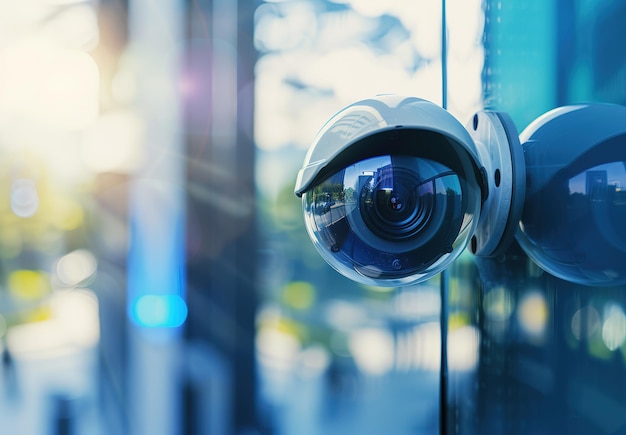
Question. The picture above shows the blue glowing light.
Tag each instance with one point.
(166, 311)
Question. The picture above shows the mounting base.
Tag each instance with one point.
(502, 158)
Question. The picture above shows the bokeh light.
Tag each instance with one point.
(113, 143)
(585, 322)
(373, 350)
(48, 84)
(614, 326)
(76, 267)
(299, 295)
(532, 314)
(24, 198)
(159, 311)
(73, 323)
(28, 284)
(498, 304)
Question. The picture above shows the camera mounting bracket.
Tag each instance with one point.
(502, 158)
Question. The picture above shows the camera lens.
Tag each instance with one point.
(392, 189)
(395, 206)
(391, 217)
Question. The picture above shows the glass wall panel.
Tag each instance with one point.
(527, 352)
(551, 353)
(335, 356)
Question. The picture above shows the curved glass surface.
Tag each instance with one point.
(392, 220)
(583, 237)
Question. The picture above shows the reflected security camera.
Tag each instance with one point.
(394, 189)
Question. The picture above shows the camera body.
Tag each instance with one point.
(392, 190)
(395, 188)
(574, 219)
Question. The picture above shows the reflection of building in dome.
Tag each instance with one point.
(597, 185)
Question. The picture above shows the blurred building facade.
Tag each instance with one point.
(156, 276)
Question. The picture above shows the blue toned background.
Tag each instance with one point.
(155, 273)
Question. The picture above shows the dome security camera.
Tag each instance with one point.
(395, 188)
(574, 219)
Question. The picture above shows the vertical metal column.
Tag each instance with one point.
(444, 276)
(156, 260)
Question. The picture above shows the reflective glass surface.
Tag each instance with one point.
(397, 218)
(551, 354)
(582, 238)
(528, 352)
(335, 356)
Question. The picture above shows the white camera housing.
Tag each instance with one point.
(395, 188)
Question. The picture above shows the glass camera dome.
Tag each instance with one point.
(392, 219)
(391, 190)
(574, 219)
